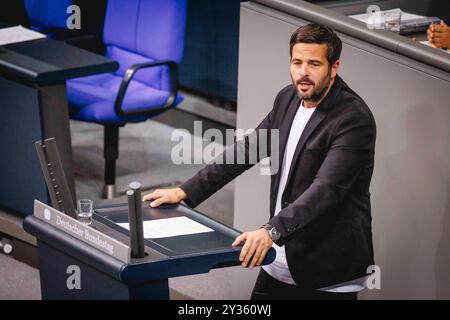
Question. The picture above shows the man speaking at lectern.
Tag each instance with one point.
(320, 220)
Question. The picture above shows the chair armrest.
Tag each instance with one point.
(129, 74)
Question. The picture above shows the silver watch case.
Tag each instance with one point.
(274, 234)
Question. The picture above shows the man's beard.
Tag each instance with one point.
(318, 91)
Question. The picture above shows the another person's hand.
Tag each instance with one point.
(161, 196)
(439, 35)
(257, 243)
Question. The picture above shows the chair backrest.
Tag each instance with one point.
(138, 31)
(45, 14)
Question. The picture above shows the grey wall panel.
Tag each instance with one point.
(411, 182)
(410, 186)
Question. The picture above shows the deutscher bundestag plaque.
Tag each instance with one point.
(81, 231)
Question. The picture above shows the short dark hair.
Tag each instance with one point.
(316, 33)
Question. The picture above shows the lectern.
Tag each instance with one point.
(94, 262)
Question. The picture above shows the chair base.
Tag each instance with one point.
(109, 191)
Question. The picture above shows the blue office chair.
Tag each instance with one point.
(146, 37)
(48, 16)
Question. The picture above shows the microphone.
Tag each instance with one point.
(135, 220)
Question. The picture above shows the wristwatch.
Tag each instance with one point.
(273, 232)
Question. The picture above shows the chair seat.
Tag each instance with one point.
(92, 98)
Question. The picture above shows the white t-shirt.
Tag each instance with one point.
(279, 268)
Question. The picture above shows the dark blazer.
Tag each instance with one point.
(325, 221)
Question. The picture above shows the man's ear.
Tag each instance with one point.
(335, 68)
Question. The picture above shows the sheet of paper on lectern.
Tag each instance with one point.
(18, 34)
(367, 17)
(170, 227)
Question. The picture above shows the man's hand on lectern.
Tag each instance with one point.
(257, 244)
(162, 196)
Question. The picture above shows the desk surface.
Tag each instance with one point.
(47, 61)
(219, 239)
(347, 26)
